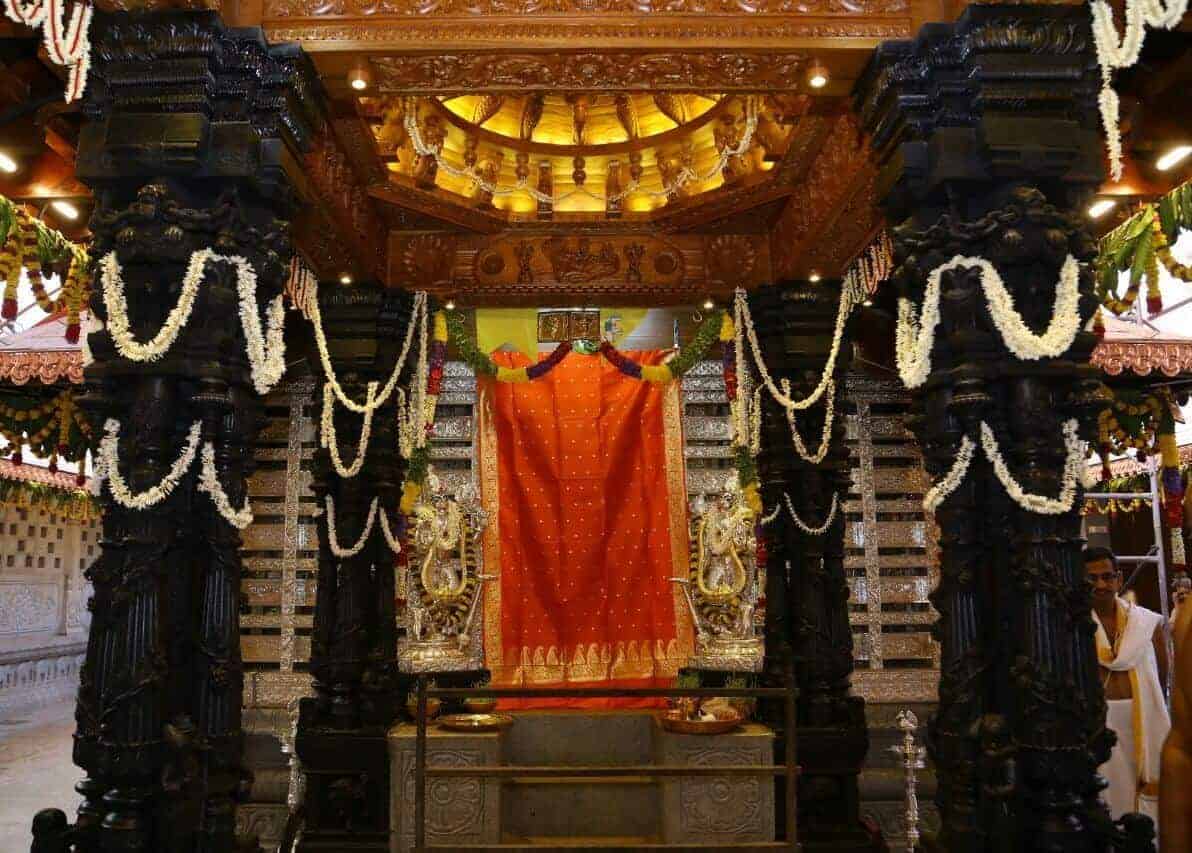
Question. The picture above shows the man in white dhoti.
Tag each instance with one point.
(1132, 654)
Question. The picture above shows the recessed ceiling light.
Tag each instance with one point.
(7, 164)
(709, 304)
(1100, 207)
(65, 209)
(360, 77)
(817, 75)
(345, 279)
(1173, 157)
(449, 304)
(814, 277)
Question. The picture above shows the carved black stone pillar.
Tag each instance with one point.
(342, 730)
(988, 135)
(188, 127)
(806, 590)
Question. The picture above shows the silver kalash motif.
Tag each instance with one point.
(443, 581)
(912, 761)
(724, 583)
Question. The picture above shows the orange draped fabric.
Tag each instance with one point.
(585, 533)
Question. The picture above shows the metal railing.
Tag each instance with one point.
(788, 769)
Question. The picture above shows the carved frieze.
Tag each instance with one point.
(718, 71)
(444, 8)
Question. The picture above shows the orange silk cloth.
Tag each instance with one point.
(582, 475)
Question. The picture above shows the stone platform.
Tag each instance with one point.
(624, 810)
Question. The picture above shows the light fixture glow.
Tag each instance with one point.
(1173, 157)
(868, 303)
(1101, 207)
(817, 75)
(709, 304)
(65, 209)
(814, 277)
(7, 164)
(360, 77)
(345, 279)
(449, 304)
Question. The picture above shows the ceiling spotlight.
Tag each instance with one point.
(65, 209)
(868, 303)
(7, 164)
(1173, 157)
(449, 304)
(709, 304)
(360, 77)
(1101, 207)
(814, 277)
(817, 75)
(345, 279)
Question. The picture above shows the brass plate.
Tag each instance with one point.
(726, 720)
(476, 722)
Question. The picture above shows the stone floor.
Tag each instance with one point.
(35, 771)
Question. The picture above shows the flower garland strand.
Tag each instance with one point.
(1113, 55)
(415, 428)
(915, 335)
(938, 493)
(329, 440)
(812, 531)
(743, 320)
(316, 321)
(1040, 504)
(209, 483)
(265, 352)
(825, 435)
(108, 467)
(333, 535)
(68, 45)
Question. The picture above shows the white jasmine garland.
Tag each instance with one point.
(112, 284)
(955, 476)
(209, 483)
(1113, 54)
(92, 326)
(329, 439)
(266, 353)
(743, 322)
(316, 320)
(373, 509)
(766, 520)
(915, 335)
(825, 435)
(394, 544)
(333, 535)
(66, 44)
(1178, 557)
(812, 531)
(1039, 503)
(109, 464)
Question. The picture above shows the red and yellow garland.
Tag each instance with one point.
(26, 245)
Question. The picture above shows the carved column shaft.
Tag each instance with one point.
(806, 590)
(988, 132)
(341, 737)
(183, 149)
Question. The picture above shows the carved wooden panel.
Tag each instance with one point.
(556, 268)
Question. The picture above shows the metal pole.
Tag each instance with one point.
(792, 814)
(420, 769)
(1161, 570)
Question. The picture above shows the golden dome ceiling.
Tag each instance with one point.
(647, 149)
(580, 120)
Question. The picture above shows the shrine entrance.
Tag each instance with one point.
(601, 375)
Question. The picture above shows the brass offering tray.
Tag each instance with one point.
(724, 721)
(476, 722)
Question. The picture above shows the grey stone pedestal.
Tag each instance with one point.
(459, 810)
(717, 809)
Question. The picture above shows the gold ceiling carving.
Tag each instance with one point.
(713, 33)
(466, 73)
(419, 8)
(572, 269)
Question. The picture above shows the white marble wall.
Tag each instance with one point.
(43, 606)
